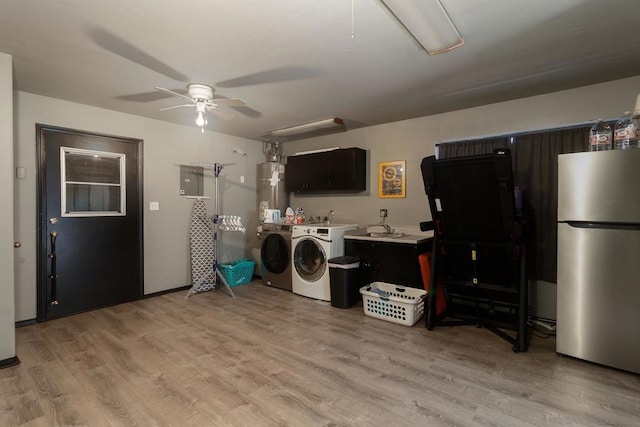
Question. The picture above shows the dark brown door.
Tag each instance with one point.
(90, 211)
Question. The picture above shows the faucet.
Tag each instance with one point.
(382, 223)
(331, 212)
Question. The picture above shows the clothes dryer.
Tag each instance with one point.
(312, 247)
(275, 254)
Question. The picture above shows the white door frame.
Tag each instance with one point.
(7, 302)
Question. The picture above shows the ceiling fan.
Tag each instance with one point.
(121, 47)
(201, 98)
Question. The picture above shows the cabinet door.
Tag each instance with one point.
(317, 167)
(368, 265)
(399, 264)
(347, 170)
(307, 172)
(296, 176)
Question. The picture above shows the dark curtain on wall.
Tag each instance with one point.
(471, 148)
(535, 170)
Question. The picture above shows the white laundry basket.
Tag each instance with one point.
(394, 303)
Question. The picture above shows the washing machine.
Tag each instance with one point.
(312, 247)
(275, 254)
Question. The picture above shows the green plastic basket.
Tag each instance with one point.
(238, 272)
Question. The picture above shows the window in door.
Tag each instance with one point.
(92, 183)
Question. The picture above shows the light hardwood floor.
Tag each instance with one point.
(270, 357)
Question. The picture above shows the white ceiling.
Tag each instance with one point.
(295, 61)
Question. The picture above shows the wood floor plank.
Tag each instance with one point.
(269, 357)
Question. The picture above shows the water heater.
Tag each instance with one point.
(272, 193)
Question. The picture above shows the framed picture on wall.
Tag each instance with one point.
(392, 179)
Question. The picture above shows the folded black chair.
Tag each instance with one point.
(479, 252)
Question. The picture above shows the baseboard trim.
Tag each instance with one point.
(11, 361)
(168, 291)
(27, 322)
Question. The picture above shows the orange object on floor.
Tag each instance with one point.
(425, 269)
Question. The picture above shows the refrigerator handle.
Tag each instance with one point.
(600, 225)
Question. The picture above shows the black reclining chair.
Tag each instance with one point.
(479, 254)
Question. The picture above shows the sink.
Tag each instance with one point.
(400, 235)
(387, 235)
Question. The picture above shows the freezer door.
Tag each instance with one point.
(602, 186)
(598, 316)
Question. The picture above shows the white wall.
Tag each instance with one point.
(165, 146)
(7, 330)
(412, 140)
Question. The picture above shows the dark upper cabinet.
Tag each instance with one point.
(347, 170)
(342, 170)
(296, 176)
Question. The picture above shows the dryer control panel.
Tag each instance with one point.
(324, 232)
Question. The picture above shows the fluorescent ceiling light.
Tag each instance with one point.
(334, 122)
(428, 22)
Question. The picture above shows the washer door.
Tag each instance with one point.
(309, 259)
(274, 254)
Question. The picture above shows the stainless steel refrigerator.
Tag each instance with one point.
(598, 307)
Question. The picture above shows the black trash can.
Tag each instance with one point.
(344, 279)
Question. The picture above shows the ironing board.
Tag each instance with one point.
(203, 237)
(201, 246)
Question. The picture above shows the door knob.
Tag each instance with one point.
(17, 244)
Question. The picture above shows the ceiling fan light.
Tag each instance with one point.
(200, 120)
(428, 22)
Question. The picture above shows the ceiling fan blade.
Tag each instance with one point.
(169, 91)
(225, 115)
(274, 75)
(116, 45)
(248, 112)
(144, 97)
(176, 106)
(229, 102)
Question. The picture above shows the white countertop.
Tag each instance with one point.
(410, 235)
